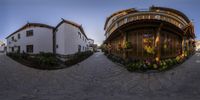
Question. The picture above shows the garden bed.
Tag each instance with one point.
(148, 65)
(78, 57)
(47, 61)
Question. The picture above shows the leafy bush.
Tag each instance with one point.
(47, 55)
(147, 64)
(41, 61)
(132, 67)
(44, 59)
(14, 55)
(127, 45)
(116, 59)
(137, 66)
(78, 57)
(18, 55)
(25, 55)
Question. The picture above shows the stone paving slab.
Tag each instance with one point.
(97, 78)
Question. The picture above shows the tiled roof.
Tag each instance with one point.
(73, 24)
(31, 24)
(48, 26)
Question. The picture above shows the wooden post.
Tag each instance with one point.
(157, 43)
(183, 45)
(125, 38)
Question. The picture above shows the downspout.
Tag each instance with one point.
(54, 41)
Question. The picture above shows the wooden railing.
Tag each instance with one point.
(175, 20)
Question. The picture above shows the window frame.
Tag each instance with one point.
(13, 38)
(18, 36)
(29, 48)
(29, 33)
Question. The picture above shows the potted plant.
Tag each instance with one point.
(128, 46)
(149, 49)
(119, 47)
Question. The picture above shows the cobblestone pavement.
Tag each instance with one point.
(97, 78)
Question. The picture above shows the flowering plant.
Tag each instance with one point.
(119, 47)
(148, 45)
(149, 49)
(127, 45)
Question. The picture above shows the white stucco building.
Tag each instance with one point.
(197, 42)
(31, 38)
(70, 38)
(91, 44)
(65, 39)
(2, 46)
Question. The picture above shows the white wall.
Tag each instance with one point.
(197, 45)
(2, 48)
(90, 42)
(42, 40)
(68, 39)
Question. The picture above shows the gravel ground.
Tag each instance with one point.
(97, 78)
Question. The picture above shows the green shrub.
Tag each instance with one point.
(78, 57)
(127, 45)
(25, 56)
(155, 66)
(132, 67)
(45, 59)
(47, 55)
(14, 55)
(40, 61)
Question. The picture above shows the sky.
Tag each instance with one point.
(91, 14)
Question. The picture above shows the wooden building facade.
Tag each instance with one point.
(157, 33)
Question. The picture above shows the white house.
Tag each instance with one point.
(2, 46)
(66, 39)
(31, 38)
(70, 38)
(91, 44)
(90, 41)
(197, 42)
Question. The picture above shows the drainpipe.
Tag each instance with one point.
(54, 41)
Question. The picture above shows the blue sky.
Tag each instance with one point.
(90, 13)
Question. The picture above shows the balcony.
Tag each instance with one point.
(146, 15)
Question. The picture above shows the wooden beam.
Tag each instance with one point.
(157, 43)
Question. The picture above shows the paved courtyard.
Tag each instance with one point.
(97, 78)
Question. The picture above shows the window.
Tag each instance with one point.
(29, 48)
(79, 48)
(18, 36)
(12, 49)
(13, 38)
(157, 17)
(18, 50)
(79, 34)
(56, 46)
(29, 33)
